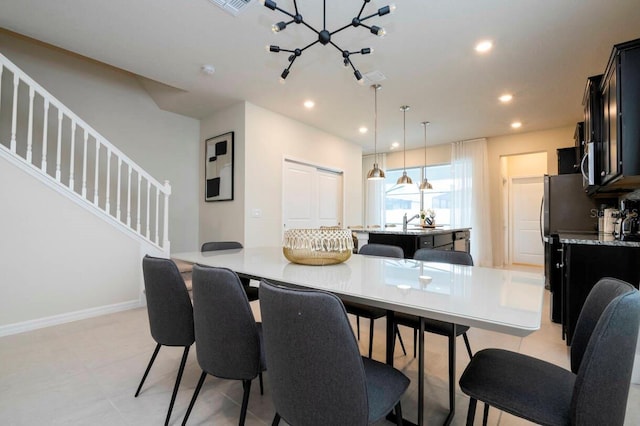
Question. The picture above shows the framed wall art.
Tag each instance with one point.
(218, 166)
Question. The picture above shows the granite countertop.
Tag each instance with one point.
(595, 239)
(412, 230)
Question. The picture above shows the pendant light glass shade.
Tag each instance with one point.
(376, 172)
(404, 179)
(425, 185)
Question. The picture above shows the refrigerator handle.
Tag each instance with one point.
(540, 220)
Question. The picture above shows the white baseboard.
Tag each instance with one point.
(21, 327)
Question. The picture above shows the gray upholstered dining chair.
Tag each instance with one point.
(371, 312)
(170, 314)
(316, 372)
(228, 339)
(596, 389)
(252, 292)
(442, 328)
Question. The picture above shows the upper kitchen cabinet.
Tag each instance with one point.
(620, 148)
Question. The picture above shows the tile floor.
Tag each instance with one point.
(86, 372)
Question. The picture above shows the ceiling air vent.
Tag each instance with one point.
(234, 7)
(374, 77)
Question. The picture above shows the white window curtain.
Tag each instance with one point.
(373, 192)
(470, 196)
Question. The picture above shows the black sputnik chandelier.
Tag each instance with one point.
(324, 36)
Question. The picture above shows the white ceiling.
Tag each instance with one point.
(543, 52)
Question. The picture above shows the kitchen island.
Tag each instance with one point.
(414, 238)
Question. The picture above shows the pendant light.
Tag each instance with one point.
(425, 185)
(404, 179)
(375, 173)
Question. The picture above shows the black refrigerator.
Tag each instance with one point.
(566, 208)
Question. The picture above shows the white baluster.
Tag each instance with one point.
(84, 164)
(73, 153)
(95, 189)
(148, 206)
(118, 190)
(107, 205)
(129, 197)
(138, 215)
(14, 115)
(157, 212)
(165, 231)
(59, 148)
(45, 128)
(30, 129)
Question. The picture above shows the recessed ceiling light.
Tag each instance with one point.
(395, 145)
(507, 97)
(208, 69)
(484, 46)
(309, 104)
(363, 129)
(516, 124)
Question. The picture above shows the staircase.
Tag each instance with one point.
(44, 138)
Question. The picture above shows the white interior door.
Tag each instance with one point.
(526, 246)
(299, 189)
(312, 196)
(329, 198)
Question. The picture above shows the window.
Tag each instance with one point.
(409, 199)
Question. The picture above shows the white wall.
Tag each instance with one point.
(58, 258)
(115, 104)
(270, 138)
(224, 220)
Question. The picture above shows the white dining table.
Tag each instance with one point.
(499, 300)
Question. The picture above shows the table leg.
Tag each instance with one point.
(452, 377)
(421, 373)
(391, 336)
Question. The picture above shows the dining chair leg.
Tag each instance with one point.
(276, 420)
(144, 377)
(194, 397)
(485, 414)
(261, 385)
(466, 343)
(400, 340)
(246, 385)
(398, 414)
(471, 413)
(177, 385)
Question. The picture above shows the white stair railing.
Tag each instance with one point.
(31, 120)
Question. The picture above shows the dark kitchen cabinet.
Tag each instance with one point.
(568, 160)
(582, 266)
(620, 148)
(457, 239)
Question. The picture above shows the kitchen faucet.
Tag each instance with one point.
(405, 221)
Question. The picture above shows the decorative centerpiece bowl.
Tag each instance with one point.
(325, 246)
